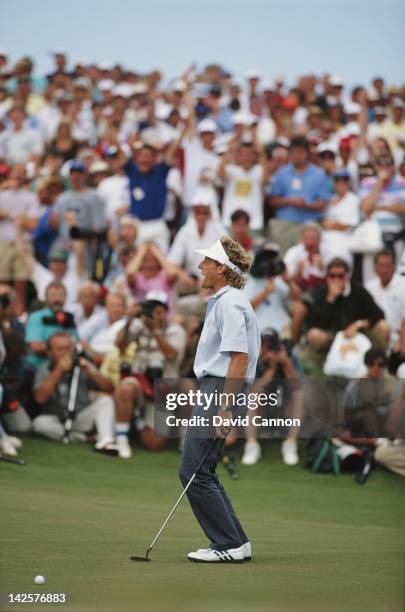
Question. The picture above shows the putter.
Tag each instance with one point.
(14, 460)
(146, 557)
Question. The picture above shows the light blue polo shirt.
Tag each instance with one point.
(230, 326)
(312, 185)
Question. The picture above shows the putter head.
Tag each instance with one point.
(135, 558)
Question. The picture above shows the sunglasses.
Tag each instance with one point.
(384, 164)
(341, 179)
(339, 275)
(377, 364)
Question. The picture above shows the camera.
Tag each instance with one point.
(4, 301)
(271, 340)
(61, 318)
(266, 263)
(79, 353)
(76, 233)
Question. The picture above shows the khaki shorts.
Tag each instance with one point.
(285, 233)
(11, 264)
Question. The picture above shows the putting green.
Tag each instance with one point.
(319, 542)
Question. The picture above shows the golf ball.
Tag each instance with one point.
(39, 580)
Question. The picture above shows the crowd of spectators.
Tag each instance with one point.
(109, 181)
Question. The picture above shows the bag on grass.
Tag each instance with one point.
(322, 456)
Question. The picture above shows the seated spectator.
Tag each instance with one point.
(52, 388)
(240, 229)
(275, 374)
(340, 305)
(269, 289)
(98, 333)
(244, 182)
(160, 348)
(116, 279)
(58, 270)
(42, 324)
(148, 271)
(388, 291)
(88, 303)
(391, 453)
(382, 197)
(341, 216)
(299, 192)
(17, 204)
(306, 262)
(368, 402)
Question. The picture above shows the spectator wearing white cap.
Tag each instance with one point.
(374, 128)
(244, 182)
(200, 231)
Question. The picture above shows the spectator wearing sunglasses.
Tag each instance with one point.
(383, 198)
(340, 305)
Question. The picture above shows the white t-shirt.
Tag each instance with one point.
(17, 147)
(243, 191)
(347, 212)
(41, 277)
(197, 162)
(273, 311)
(114, 190)
(391, 299)
(182, 252)
(298, 253)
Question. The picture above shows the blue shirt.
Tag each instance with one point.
(37, 331)
(148, 190)
(230, 326)
(312, 185)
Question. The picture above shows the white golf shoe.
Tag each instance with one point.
(247, 551)
(252, 453)
(289, 452)
(7, 448)
(124, 449)
(210, 555)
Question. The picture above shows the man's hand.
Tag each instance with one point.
(223, 430)
(297, 202)
(353, 328)
(64, 365)
(335, 288)
(280, 356)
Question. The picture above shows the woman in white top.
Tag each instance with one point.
(244, 182)
(341, 216)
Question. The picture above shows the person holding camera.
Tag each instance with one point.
(276, 373)
(160, 348)
(52, 390)
(43, 323)
(270, 288)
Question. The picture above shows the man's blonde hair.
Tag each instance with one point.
(238, 256)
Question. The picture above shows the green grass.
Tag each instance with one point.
(320, 542)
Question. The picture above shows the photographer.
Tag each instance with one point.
(160, 348)
(43, 323)
(269, 288)
(276, 374)
(52, 388)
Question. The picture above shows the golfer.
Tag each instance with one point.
(226, 357)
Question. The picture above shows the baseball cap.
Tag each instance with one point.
(218, 253)
(77, 166)
(106, 85)
(380, 110)
(128, 220)
(98, 166)
(397, 103)
(203, 197)
(157, 296)
(343, 173)
(253, 74)
(83, 82)
(58, 255)
(336, 81)
(243, 118)
(111, 151)
(352, 108)
(327, 146)
(207, 125)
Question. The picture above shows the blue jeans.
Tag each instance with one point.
(208, 499)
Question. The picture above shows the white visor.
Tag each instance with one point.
(218, 253)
